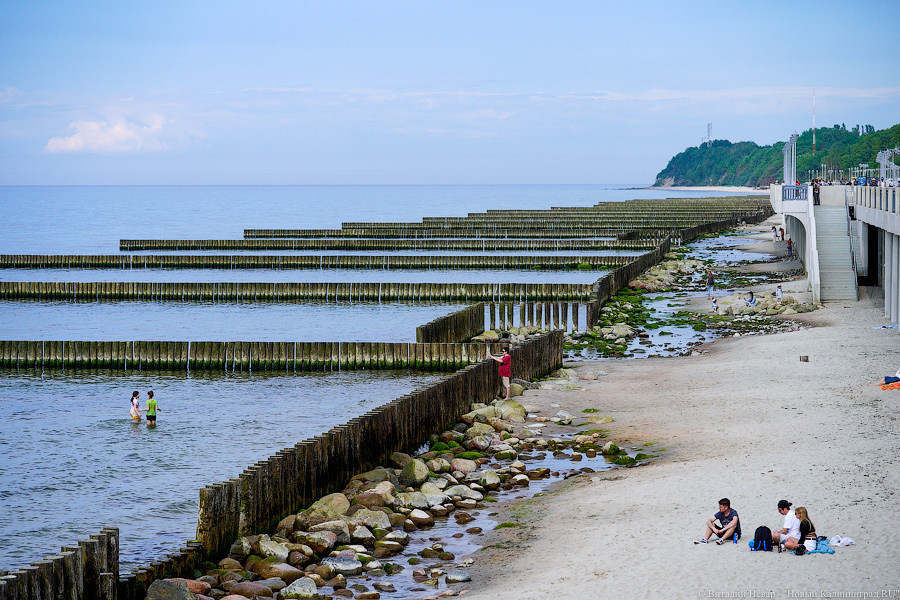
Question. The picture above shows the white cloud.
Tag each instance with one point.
(115, 135)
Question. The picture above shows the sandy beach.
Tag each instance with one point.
(746, 420)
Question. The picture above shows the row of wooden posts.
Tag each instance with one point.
(498, 231)
(283, 357)
(457, 326)
(86, 571)
(307, 261)
(435, 350)
(292, 291)
(393, 244)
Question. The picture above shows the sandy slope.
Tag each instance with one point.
(748, 421)
(712, 188)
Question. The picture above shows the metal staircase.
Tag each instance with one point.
(837, 271)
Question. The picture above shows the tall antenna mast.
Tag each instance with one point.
(708, 139)
(814, 120)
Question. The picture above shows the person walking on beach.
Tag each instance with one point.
(505, 371)
(790, 247)
(781, 233)
(151, 409)
(778, 294)
(729, 526)
(135, 410)
(789, 535)
(710, 283)
(774, 234)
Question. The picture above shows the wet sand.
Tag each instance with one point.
(748, 421)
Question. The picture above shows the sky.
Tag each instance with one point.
(193, 92)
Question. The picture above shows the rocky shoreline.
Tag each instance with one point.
(349, 544)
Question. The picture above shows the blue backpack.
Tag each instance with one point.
(762, 540)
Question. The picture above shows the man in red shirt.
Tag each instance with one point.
(505, 372)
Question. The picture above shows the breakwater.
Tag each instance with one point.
(283, 357)
(191, 261)
(456, 327)
(392, 244)
(291, 292)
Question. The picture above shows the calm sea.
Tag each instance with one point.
(70, 460)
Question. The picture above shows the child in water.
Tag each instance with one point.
(151, 409)
(135, 411)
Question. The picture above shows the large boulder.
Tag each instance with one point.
(272, 567)
(338, 528)
(479, 429)
(319, 541)
(302, 589)
(380, 495)
(195, 587)
(163, 589)
(373, 519)
(489, 479)
(510, 410)
(412, 500)
(399, 459)
(464, 492)
(414, 473)
(463, 465)
(347, 567)
(516, 390)
(269, 548)
(249, 589)
(330, 508)
(377, 475)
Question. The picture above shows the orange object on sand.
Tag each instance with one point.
(891, 386)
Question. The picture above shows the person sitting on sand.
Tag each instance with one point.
(729, 525)
(789, 534)
(807, 529)
(750, 300)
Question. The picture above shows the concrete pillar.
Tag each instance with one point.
(889, 268)
(895, 292)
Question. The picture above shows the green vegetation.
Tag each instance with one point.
(507, 524)
(748, 164)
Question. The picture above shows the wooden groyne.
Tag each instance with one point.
(392, 244)
(286, 262)
(297, 476)
(283, 357)
(608, 219)
(456, 327)
(86, 571)
(293, 292)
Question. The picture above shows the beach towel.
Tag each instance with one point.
(822, 547)
(841, 541)
(890, 386)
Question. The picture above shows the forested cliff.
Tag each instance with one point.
(748, 164)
